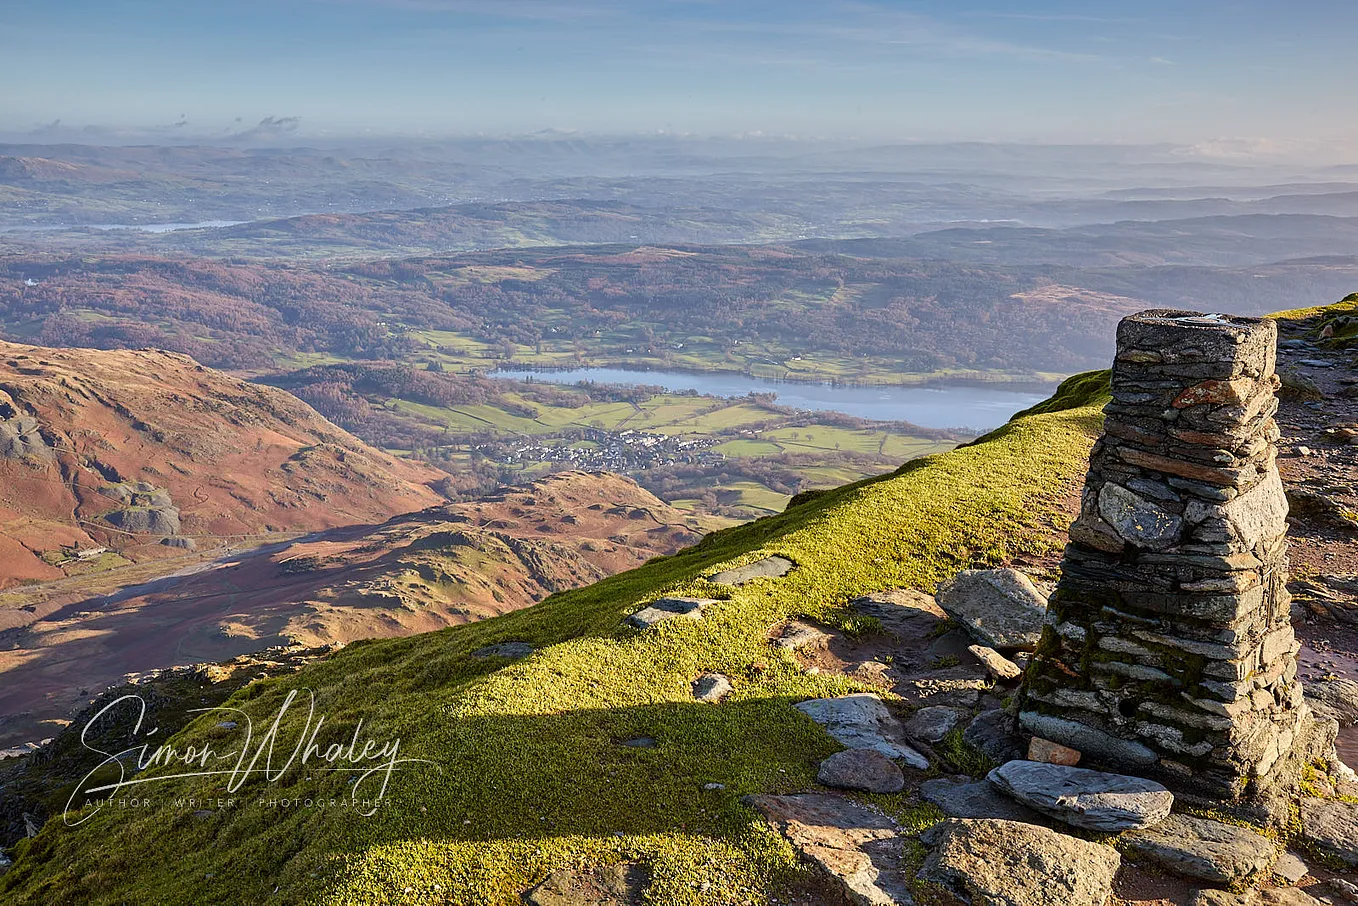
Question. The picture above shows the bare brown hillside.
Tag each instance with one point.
(109, 458)
(421, 571)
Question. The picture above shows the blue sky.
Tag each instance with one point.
(1279, 75)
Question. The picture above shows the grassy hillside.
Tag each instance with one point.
(528, 773)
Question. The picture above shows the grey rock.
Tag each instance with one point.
(1089, 740)
(1093, 800)
(1213, 897)
(639, 742)
(146, 520)
(711, 687)
(858, 848)
(666, 609)
(768, 568)
(861, 769)
(614, 885)
(958, 687)
(512, 650)
(999, 607)
(1346, 889)
(1334, 698)
(976, 799)
(1332, 827)
(1137, 520)
(1286, 896)
(992, 734)
(861, 721)
(1010, 863)
(997, 665)
(906, 613)
(1205, 850)
(1290, 868)
(933, 723)
(795, 636)
(21, 436)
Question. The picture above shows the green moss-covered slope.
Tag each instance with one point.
(525, 772)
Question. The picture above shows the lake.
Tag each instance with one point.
(947, 405)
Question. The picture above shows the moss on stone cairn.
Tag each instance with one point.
(1169, 650)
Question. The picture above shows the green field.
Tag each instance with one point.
(523, 772)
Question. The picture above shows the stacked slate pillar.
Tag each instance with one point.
(1169, 650)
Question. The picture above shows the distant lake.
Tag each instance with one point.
(946, 405)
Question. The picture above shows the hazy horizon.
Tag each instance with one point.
(1231, 78)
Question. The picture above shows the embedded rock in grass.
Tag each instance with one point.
(1331, 825)
(512, 650)
(933, 723)
(768, 568)
(858, 848)
(614, 885)
(711, 687)
(908, 615)
(861, 721)
(1000, 668)
(861, 769)
(976, 799)
(664, 609)
(795, 635)
(999, 607)
(1206, 850)
(1010, 863)
(1334, 698)
(1090, 799)
(992, 734)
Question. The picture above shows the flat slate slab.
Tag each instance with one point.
(861, 769)
(1079, 797)
(933, 723)
(976, 799)
(768, 568)
(1332, 827)
(1001, 608)
(512, 650)
(614, 885)
(1206, 850)
(999, 863)
(861, 721)
(857, 847)
(664, 609)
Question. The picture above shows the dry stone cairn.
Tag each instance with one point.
(1168, 650)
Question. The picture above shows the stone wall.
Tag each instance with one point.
(1169, 649)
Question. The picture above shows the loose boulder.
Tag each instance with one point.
(1334, 698)
(1001, 608)
(861, 769)
(858, 848)
(1206, 850)
(861, 721)
(1009, 863)
(1093, 800)
(1332, 827)
(933, 723)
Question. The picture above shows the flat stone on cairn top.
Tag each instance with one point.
(1169, 649)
